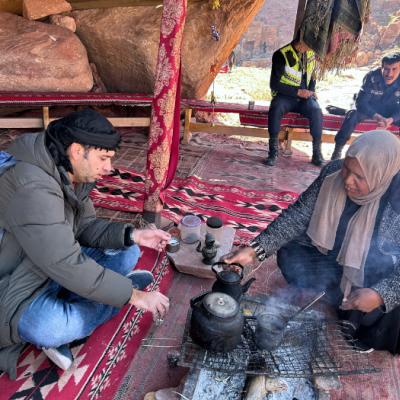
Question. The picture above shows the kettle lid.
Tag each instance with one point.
(221, 305)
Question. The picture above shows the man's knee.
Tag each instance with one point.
(314, 111)
(46, 331)
(129, 258)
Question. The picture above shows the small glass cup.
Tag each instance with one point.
(190, 229)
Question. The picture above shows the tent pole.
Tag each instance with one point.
(301, 7)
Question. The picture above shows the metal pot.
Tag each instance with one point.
(216, 323)
(228, 280)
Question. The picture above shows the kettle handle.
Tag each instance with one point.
(196, 299)
(224, 263)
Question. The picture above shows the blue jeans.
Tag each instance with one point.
(52, 319)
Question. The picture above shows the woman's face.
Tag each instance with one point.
(354, 179)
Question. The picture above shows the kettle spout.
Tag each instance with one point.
(245, 286)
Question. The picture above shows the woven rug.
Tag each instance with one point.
(248, 211)
(100, 360)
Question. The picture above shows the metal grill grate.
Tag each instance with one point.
(311, 347)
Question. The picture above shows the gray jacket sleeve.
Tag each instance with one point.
(49, 242)
(100, 233)
(294, 220)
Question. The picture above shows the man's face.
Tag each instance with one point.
(390, 72)
(355, 182)
(90, 164)
(301, 47)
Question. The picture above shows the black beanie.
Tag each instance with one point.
(87, 127)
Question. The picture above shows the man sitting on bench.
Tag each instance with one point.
(293, 89)
(379, 99)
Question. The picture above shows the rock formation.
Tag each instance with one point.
(123, 43)
(36, 9)
(41, 57)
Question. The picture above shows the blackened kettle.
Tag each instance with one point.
(216, 322)
(228, 280)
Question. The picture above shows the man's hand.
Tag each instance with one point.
(304, 93)
(244, 256)
(386, 122)
(155, 302)
(364, 300)
(381, 121)
(154, 238)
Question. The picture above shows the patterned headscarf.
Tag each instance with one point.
(378, 153)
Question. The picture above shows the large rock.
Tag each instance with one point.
(390, 35)
(123, 43)
(41, 57)
(36, 9)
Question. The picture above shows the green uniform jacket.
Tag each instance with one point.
(45, 223)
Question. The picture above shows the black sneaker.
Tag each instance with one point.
(361, 347)
(140, 278)
(349, 333)
(61, 356)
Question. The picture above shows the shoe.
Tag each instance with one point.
(317, 158)
(61, 356)
(361, 347)
(273, 152)
(349, 331)
(337, 152)
(270, 161)
(140, 278)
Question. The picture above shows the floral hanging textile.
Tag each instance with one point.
(163, 148)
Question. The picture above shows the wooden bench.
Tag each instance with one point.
(45, 101)
(254, 123)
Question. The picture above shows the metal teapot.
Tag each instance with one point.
(216, 322)
(209, 250)
(228, 280)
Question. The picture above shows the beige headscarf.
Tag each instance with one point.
(378, 153)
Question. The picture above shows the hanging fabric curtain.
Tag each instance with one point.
(163, 144)
(332, 28)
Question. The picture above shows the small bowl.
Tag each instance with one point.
(173, 245)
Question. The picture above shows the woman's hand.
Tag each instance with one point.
(154, 238)
(244, 256)
(364, 300)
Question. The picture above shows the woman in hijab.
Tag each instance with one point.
(343, 236)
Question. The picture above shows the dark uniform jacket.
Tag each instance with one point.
(375, 96)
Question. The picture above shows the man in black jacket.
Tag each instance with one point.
(378, 99)
(293, 89)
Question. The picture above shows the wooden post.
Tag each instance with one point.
(187, 135)
(289, 138)
(301, 8)
(46, 117)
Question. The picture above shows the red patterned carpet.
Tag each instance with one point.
(114, 363)
(100, 361)
(248, 211)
